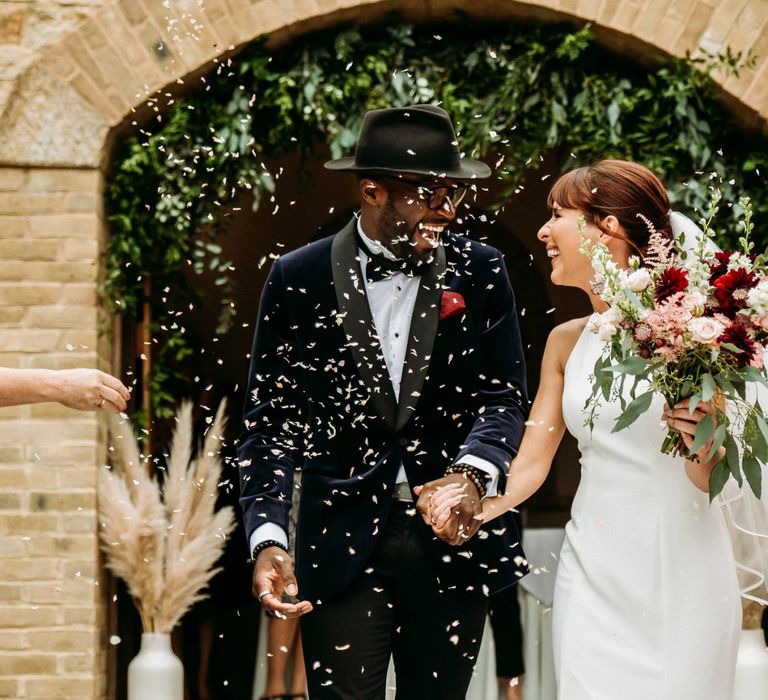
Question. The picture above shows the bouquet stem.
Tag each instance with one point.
(673, 445)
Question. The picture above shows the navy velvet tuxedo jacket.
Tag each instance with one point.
(320, 398)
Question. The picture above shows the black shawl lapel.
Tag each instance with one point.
(358, 323)
(421, 339)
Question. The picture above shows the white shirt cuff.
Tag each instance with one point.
(268, 531)
(483, 465)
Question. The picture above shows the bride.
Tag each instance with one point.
(647, 601)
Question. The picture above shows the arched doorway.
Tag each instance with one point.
(64, 111)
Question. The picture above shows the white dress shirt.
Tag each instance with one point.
(391, 301)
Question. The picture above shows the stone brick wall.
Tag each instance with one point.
(71, 72)
(51, 608)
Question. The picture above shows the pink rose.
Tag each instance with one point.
(705, 330)
(762, 322)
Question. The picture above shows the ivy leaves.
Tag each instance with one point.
(516, 91)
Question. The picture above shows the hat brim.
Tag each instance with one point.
(468, 169)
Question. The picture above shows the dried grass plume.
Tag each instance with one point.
(164, 542)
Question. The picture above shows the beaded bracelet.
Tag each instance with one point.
(476, 476)
(266, 544)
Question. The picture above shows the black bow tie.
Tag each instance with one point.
(380, 268)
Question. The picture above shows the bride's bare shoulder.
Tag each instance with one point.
(563, 338)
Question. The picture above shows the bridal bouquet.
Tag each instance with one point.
(688, 321)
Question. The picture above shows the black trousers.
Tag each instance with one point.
(504, 612)
(396, 607)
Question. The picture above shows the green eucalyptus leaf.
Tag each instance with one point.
(717, 479)
(753, 472)
(633, 411)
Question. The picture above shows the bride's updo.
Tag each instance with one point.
(616, 187)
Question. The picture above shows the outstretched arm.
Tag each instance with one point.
(543, 433)
(83, 389)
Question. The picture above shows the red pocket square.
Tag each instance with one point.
(451, 303)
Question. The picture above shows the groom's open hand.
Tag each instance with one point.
(466, 516)
(273, 578)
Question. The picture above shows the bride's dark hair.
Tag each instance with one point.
(629, 191)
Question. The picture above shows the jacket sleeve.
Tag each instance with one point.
(501, 389)
(272, 417)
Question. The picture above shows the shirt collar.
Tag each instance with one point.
(373, 247)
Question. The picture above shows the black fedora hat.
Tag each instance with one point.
(418, 139)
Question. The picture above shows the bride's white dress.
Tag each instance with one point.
(646, 602)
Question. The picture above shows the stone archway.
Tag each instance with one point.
(63, 107)
(60, 114)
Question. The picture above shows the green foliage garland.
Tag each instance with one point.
(515, 92)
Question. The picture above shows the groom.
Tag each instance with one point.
(386, 357)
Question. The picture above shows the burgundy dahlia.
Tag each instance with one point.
(719, 266)
(672, 281)
(731, 290)
(737, 334)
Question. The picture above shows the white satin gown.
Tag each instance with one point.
(646, 602)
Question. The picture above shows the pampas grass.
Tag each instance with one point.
(164, 543)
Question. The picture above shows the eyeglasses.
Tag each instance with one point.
(435, 194)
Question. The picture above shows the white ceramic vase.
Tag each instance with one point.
(156, 672)
(751, 667)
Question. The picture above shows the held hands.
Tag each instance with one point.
(452, 507)
(274, 584)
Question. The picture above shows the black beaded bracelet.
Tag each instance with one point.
(475, 475)
(264, 545)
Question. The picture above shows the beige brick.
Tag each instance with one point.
(27, 525)
(46, 271)
(65, 180)
(30, 341)
(83, 203)
(60, 640)
(132, 10)
(13, 641)
(85, 226)
(224, 23)
(10, 688)
(27, 664)
(60, 593)
(79, 476)
(62, 546)
(62, 501)
(95, 94)
(12, 179)
(84, 570)
(23, 616)
(10, 360)
(11, 547)
(80, 249)
(60, 688)
(33, 295)
(79, 615)
(13, 478)
(10, 501)
(35, 249)
(79, 663)
(11, 315)
(31, 202)
(61, 317)
(79, 523)
(13, 226)
(37, 569)
(123, 83)
(133, 52)
(9, 592)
